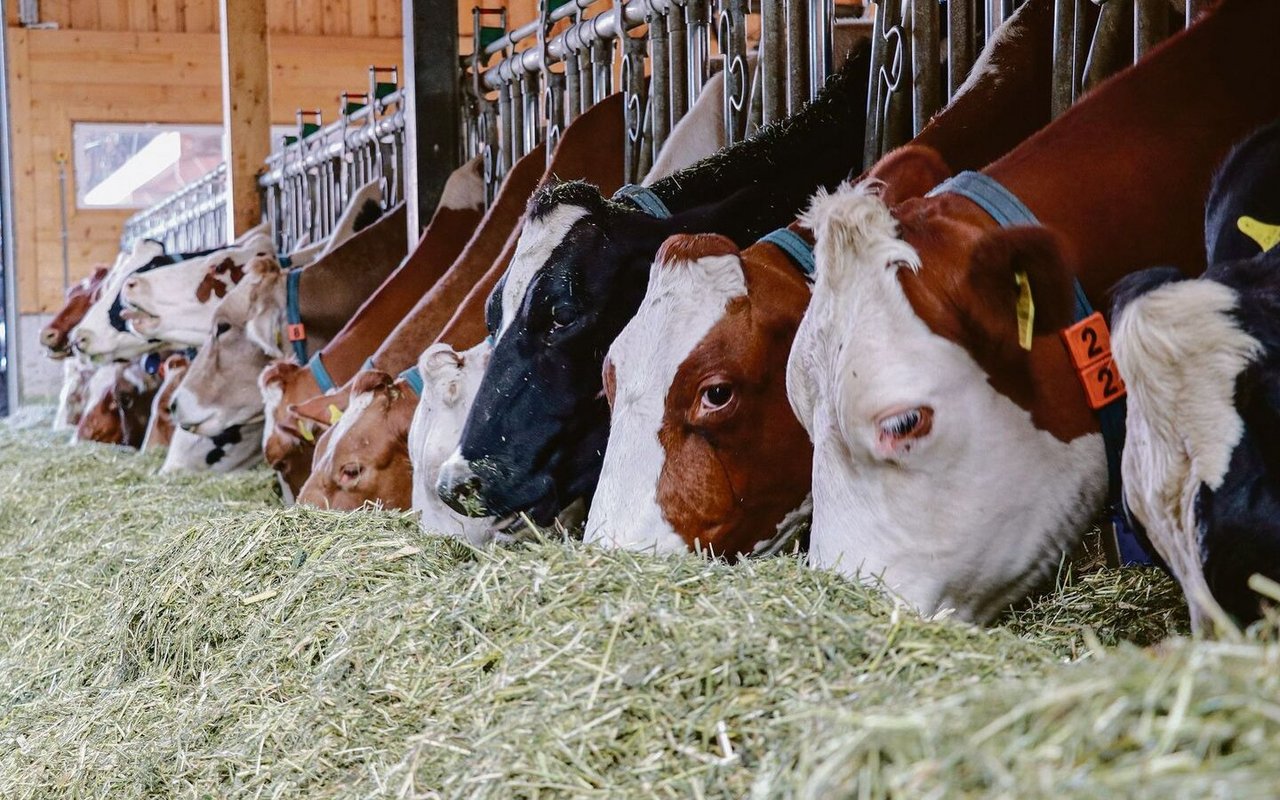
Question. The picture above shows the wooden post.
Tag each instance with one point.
(246, 109)
(432, 114)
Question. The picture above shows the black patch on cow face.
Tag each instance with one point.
(224, 440)
(536, 433)
(1247, 184)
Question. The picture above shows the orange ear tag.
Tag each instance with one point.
(1089, 345)
(296, 332)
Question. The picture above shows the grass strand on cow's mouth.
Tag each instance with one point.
(186, 637)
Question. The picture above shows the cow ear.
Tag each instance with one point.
(1019, 278)
(909, 171)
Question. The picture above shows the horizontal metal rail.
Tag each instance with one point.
(192, 218)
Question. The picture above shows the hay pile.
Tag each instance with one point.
(185, 637)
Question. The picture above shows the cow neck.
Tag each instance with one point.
(1007, 210)
(808, 149)
(331, 289)
(1191, 91)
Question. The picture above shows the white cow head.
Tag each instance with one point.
(449, 382)
(101, 336)
(924, 474)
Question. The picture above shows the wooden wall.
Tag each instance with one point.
(60, 77)
(378, 18)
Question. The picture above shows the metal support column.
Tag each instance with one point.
(431, 115)
(10, 381)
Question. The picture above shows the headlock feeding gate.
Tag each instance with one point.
(522, 87)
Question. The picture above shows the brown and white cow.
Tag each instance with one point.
(704, 450)
(949, 461)
(54, 337)
(160, 428)
(118, 405)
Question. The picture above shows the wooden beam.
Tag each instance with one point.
(246, 108)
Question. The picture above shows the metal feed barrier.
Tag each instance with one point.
(523, 86)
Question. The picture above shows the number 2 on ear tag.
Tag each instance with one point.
(1102, 383)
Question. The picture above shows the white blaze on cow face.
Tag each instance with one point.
(684, 301)
(923, 474)
(449, 383)
(539, 238)
(1180, 352)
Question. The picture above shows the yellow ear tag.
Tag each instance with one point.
(304, 428)
(1026, 310)
(1267, 236)
(335, 414)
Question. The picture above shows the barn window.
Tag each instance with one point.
(133, 166)
(128, 165)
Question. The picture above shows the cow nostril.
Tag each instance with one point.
(462, 494)
(48, 337)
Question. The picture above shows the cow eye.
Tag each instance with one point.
(716, 396)
(899, 429)
(222, 328)
(562, 315)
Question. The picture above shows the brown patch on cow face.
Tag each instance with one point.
(966, 292)
(160, 428)
(79, 297)
(287, 451)
(687, 248)
(736, 459)
(219, 279)
(366, 458)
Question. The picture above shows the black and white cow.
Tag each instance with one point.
(535, 437)
(1201, 358)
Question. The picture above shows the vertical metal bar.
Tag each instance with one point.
(678, 61)
(633, 51)
(506, 150)
(553, 107)
(586, 79)
(1112, 48)
(660, 120)
(572, 89)
(773, 61)
(960, 44)
(733, 43)
(1150, 25)
(1194, 8)
(532, 92)
(697, 15)
(1080, 45)
(994, 17)
(926, 85)
(11, 375)
(431, 59)
(876, 91)
(1064, 27)
(897, 116)
(821, 25)
(798, 49)
(517, 119)
(602, 61)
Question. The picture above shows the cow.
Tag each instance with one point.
(174, 303)
(449, 382)
(76, 374)
(283, 312)
(1198, 357)
(956, 452)
(704, 451)
(54, 337)
(97, 336)
(118, 405)
(236, 448)
(171, 371)
(535, 437)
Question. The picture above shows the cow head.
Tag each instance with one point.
(948, 461)
(119, 405)
(220, 390)
(365, 457)
(101, 335)
(535, 436)
(79, 297)
(703, 447)
(175, 303)
(160, 429)
(288, 441)
(449, 383)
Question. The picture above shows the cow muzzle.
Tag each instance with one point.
(460, 488)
